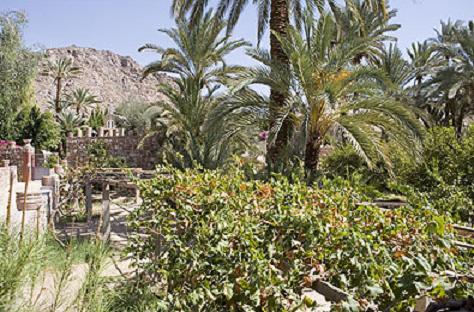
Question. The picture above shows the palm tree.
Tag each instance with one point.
(276, 14)
(453, 82)
(69, 122)
(394, 66)
(81, 100)
(333, 98)
(199, 70)
(369, 20)
(60, 70)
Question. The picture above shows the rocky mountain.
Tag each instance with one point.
(111, 77)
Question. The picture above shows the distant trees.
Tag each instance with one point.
(135, 115)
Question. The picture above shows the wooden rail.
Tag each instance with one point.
(118, 178)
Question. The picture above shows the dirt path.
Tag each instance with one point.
(51, 290)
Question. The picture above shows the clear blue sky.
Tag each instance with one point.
(124, 25)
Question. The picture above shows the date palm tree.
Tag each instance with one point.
(331, 97)
(69, 122)
(199, 70)
(81, 100)
(369, 20)
(60, 70)
(453, 82)
(276, 14)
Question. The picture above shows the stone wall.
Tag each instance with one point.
(118, 144)
(14, 154)
(34, 219)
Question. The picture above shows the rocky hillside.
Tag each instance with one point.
(111, 77)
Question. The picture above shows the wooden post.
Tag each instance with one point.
(9, 204)
(38, 222)
(23, 212)
(137, 195)
(105, 229)
(88, 199)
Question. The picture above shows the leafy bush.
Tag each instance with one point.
(343, 162)
(214, 241)
(446, 175)
(100, 158)
(41, 128)
(52, 161)
(97, 118)
(447, 159)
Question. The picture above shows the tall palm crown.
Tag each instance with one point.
(81, 100)
(60, 70)
(198, 70)
(333, 97)
(369, 20)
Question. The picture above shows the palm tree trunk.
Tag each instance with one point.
(57, 100)
(459, 122)
(279, 23)
(313, 149)
(57, 109)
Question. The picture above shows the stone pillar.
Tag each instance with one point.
(28, 153)
(101, 132)
(122, 132)
(79, 132)
(53, 183)
(88, 132)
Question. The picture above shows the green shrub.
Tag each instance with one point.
(215, 241)
(41, 128)
(446, 175)
(446, 158)
(100, 157)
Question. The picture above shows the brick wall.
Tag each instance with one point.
(123, 147)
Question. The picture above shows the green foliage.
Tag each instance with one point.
(61, 70)
(17, 265)
(446, 174)
(446, 158)
(40, 127)
(100, 158)
(135, 115)
(81, 100)
(52, 161)
(214, 240)
(194, 134)
(18, 71)
(97, 118)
